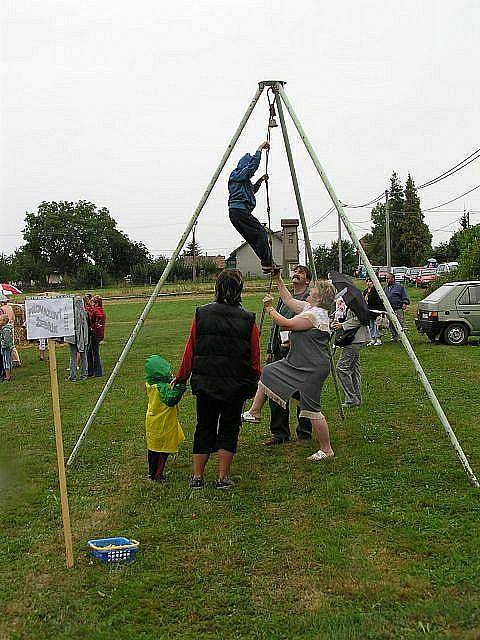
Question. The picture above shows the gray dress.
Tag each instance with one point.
(301, 373)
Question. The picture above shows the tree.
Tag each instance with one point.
(192, 249)
(326, 258)
(413, 240)
(62, 236)
(6, 271)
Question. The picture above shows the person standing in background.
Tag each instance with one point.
(397, 296)
(97, 328)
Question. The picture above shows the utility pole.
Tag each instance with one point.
(194, 257)
(387, 232)
(340, 256)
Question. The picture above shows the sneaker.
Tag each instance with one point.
(196, 482)
(378, 343)
(224, 483)
(318, 456)
(350, 405)
(371, 343)
(249, 417)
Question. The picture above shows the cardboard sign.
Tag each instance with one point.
(49, 317)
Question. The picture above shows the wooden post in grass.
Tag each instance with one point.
(53, 317)
(57, 421)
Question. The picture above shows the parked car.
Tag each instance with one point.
(446, 267)
(399, 273)
(451, 313)
(424, 277)
(411, 274)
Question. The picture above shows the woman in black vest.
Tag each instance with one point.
(222, 356)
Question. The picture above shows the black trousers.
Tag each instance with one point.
(218, 425)
(253, 232)
(93, 359)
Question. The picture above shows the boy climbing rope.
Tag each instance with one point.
(241, 203)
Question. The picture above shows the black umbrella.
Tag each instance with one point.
(352, 297)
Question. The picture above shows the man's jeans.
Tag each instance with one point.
(348, 371)
(253, 232)
(401, 318)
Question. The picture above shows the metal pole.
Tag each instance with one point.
(298, 197)
(388, 246)
(306, 237)
(165, 273)
(340, 256)
(393, 318)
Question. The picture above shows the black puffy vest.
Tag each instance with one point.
(222, 366)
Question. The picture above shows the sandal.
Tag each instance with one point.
(249, 417)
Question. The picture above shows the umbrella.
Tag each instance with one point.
(352, 296)
(9, 289)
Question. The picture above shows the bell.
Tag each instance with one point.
(272, 122)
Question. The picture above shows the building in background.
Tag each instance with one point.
(284, 248)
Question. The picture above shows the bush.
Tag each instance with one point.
(89, 275)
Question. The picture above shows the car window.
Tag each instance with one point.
(439, 293)
(474, 293)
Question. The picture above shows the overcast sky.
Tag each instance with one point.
(130, 105)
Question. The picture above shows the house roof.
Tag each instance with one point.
(277, 234)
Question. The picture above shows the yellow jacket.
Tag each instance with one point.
(163, 429)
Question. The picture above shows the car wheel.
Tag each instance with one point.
(455, 334)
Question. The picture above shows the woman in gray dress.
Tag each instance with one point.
(303, 371)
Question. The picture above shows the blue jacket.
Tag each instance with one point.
(240, 188)
(397, 296)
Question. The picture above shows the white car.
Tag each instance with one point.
(446, 267)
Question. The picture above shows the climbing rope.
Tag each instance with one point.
(271, 124)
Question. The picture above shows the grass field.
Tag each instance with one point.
(380, 543)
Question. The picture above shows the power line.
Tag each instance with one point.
(445, 174)
(437, 206)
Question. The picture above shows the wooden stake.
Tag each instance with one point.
(57, 420)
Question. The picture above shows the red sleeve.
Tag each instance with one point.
(186, 367)
(255, 350)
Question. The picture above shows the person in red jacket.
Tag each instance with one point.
(222, 360)
(97, 319)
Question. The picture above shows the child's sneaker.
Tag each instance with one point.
(378, 343)
(196, 482)
(224, 483)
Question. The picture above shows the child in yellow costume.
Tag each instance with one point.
(163, 429)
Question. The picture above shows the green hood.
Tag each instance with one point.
(159, 372)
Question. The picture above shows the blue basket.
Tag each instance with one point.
(109, 550)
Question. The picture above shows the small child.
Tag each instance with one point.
(163, 429)
(6, 346)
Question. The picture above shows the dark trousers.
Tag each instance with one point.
(253, 232)
(218, 425)
(156, 464)
(280, 427)
(93, 358)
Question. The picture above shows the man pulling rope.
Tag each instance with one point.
(241, 203)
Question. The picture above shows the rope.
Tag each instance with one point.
(271, 107)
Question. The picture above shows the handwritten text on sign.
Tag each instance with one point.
(49, 317)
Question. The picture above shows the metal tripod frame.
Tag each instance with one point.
(278, 87)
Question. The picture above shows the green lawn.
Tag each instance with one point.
(381, 542)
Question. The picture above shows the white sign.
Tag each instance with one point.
(49, 317)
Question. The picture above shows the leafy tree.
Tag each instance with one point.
(27, 268)
(6, 271)
(326, 258)
(91, 275)
(62, 236)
